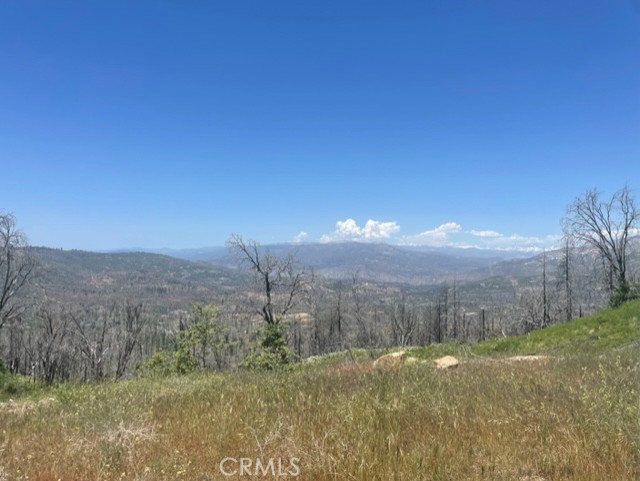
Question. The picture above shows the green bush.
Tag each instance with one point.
(13, 385)
(165, 363)
(157, 365)
(204, 332)
(10, 385)
(183, 362)
(623, 293)
(274, 354)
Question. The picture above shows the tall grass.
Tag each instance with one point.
(572, 418)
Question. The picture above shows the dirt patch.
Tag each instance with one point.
(528, 358)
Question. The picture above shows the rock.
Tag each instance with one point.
(446, 362)
(394, 359)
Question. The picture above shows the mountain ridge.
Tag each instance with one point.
(380, 262)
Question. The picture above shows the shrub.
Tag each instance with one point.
(623, 293)
(12, 385)
(164, 363)
(157, 365)
(274, 354)
(183, 362)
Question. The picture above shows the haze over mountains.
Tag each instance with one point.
(173, 277)
(372, 261)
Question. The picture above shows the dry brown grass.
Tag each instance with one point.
(21, 408)
(562, 419)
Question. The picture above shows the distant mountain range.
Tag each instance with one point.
(174, 281)
(372, 261)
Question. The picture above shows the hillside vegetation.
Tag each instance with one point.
(86, 276)
(574, 416)
(606, 330)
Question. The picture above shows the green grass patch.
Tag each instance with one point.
(605, 330)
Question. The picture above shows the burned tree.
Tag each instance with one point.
(48, 349)
(404, 322)
(281, 282)
(92, 328)
(605, 225)
(131, 321)
(16, 268)
(282, 285)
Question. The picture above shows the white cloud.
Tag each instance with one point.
(301, 237)
(438, 237)
(485, 233)
(451, 234)
(350, 230)
(448, 227)
(516, 242)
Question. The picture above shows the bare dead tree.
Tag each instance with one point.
(440, 320)
(605, 225)
(530, 307)
(546, 316)
(566, 268)
(132, 320)
(16, 356)
(404, 321)
(16, 268)
(336, 327)
(312, 299)
(317, 299)
(364, 336)
(277, 276)
(92, 338)
(49, 345)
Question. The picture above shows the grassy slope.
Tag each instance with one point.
(574, 417)
(606, 330)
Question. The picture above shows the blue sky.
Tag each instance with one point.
(174, 124)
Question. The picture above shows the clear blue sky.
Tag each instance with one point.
(176, 123)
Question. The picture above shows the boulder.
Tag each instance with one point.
(394, 359)
(446, 362)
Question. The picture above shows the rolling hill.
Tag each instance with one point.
(75, 275)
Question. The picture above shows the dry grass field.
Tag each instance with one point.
(573, 416)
